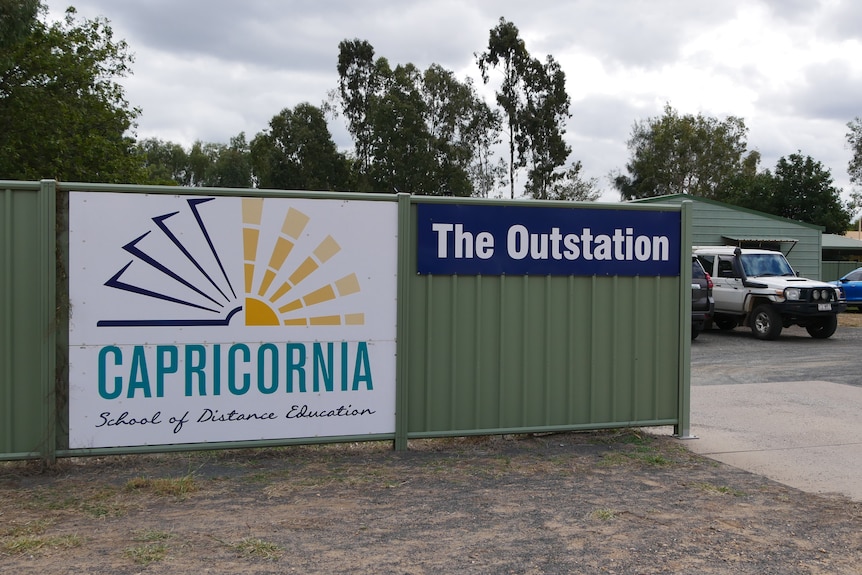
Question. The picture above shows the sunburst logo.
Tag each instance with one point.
(280, 285)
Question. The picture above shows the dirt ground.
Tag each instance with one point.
(623, 502)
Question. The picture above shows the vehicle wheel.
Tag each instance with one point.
(766, 322)
(822, 327)
(724, 322)
(695, 331)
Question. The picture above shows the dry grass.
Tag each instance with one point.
(618, 501)
(852, 318)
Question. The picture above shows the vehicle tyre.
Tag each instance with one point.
(766, 322)
(822, 327)
(695, 331)
(724, 322)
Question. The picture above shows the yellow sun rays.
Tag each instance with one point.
(262, 309)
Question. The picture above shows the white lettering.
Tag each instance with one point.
(518, 242)
(642, 248)
(572, 252)
(463, 243)
(484, 245)
(442, 238)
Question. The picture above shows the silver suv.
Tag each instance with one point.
(758, 288)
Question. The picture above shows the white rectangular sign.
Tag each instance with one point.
(209, 319)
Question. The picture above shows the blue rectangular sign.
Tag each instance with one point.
(537, 240)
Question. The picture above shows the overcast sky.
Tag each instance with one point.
(792, 69)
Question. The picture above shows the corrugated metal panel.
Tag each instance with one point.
(497, 353)
(835, 270)
(26, 314)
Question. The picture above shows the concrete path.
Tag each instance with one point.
(805, 434)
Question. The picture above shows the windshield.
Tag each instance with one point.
(766, 265)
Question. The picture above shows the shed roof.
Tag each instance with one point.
(762, 239)
(682, 197)
(836, 242)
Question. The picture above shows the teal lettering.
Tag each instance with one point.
(362, 368)
(261, 368)
(138, 376)
(343, 366)
(295, 365)
(103, 378)
(231, 369)
(166, 362)
(216, 369)
(196, 361)
(323, 366)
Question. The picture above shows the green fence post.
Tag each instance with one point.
(683, 428)
(48, 297)
(402, 329)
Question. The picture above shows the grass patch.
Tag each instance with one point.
(30, 544)
(253, 548)
(51, 500)
(153, 535)
(625, 436)
(719, 489)
(640, 456)
(603, 514)
(636, 447)
(147, 553)
(153, 547)
(166, 487)
(96, 502)
(37, 527)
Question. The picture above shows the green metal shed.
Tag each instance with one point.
(718, 224)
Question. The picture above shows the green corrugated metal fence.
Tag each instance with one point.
(27, 316)
(834, 270)
(475, 354)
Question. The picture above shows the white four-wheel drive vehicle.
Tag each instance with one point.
(759, 289)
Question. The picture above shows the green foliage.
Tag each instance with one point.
(572, 187)
(164, 163)
(62, 113)
(535, 104)
(508, 53)
(17, 18)
(204, 164)
(297, 153)
(800, 189)
(220, 166)
(546, 113)
(401, 153)
(417, 132)
(675, 154)
(462, 129)
(357, 83)
(854, 166)
(804, 191)
(854, 140)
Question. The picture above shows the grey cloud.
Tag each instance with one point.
(245, 61)
(844, 22)
(831, 92)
